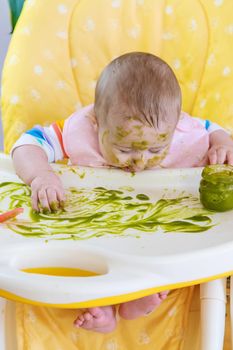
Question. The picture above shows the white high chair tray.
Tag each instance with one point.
(129, 262)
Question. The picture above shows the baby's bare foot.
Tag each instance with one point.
(142, 306)
(97, 319)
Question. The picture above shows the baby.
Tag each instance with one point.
(135, 124)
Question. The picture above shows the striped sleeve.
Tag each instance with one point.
(208, 125)
(48, 138)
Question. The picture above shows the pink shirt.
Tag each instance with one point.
(189, 145)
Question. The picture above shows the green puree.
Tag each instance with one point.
(216, 187)
(100, 212)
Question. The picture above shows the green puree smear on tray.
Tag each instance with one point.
(100, 212)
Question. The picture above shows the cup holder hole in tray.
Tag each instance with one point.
(60, 271)
(60, 262)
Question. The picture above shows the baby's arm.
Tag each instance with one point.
(31, 155)
(31, 165)
(221, 148)
(29, 162)
(220, 143)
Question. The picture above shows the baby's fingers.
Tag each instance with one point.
(212, 155)
(43, 199)
(230, 157)
(221, 155)
(61, 197)
(52, 199)
(35, 199)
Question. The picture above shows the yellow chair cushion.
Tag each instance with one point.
(56, 54)
(59, 48)
(40, 328)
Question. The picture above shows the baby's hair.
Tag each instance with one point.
(140, 84)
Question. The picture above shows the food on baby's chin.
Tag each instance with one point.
(216, 187)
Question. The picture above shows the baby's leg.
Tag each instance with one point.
(98, 319)
(142, 306)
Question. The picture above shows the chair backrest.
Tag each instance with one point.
(59, 48)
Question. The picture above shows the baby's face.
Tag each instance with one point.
(132, 145)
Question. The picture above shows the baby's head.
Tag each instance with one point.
(137, 107)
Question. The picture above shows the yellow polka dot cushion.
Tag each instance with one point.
(56, 54)
(59, 48)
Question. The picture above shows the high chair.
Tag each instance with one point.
(56, 54)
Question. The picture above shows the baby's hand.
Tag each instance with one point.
(221, 148)
(220, 154)
(48, 191)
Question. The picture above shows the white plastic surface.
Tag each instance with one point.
(125, 264)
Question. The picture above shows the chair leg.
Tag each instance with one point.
(2, 324)
(213, 311)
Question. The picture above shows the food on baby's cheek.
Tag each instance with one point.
(105, 134)
(216, 187)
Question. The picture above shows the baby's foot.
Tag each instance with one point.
(97, 319)
(142, 306)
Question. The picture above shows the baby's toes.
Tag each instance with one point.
(88, 324)
(87, 316)
(96, 312)
(79, 321)
(163, 295)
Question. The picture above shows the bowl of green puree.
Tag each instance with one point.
(216, 187)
